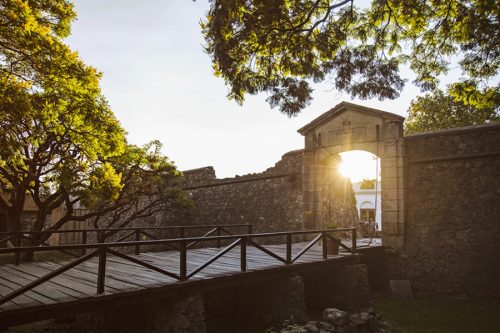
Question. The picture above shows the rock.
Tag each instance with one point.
(351, 328)
(358, 319)
(311, 328)
(326, 326)
(335, 316)
(294, 329)
(369, 311)
(372, 324)
(338, 321)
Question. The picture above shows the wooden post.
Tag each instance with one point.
(181, 232)
(249, 228)
(183, 263)
(353, 249)
(288, 249)
(218, 234)
(101, 270)
(17, 255)
(84, 241)
(100, 236)
(243, 254)
(323, 241)
(137, 239)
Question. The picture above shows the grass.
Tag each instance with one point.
(441, 314)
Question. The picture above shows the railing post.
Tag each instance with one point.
(354, 241)
(217, 228)
(101, 270)
(243, 254)
(250, 229)
(84, 241)
(137, 239)
(17, 255)
(100, 236)
(323, 241)
(181, 232)
(183, 263)
(288, 249)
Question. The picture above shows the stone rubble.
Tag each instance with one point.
(338, 321)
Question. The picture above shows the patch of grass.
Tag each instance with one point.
(441, 314)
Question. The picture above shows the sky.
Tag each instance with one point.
(159, 82)
(359, 165)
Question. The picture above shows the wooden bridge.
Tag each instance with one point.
(106, 274)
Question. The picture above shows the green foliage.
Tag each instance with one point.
(367, 184)
(61, 143)
(279, 47)
(439, 111)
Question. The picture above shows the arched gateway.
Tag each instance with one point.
(353, 127)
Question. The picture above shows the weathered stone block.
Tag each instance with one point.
(390, 205)
(400, 289)
(181, 314)
(392, 241)
(255, 307)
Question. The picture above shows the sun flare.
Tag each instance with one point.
(358, 165)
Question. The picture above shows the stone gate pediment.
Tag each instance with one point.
(349, 123)
(349, 127)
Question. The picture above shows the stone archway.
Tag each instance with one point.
(349, 127)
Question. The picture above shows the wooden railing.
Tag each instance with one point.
(101, 250)
(137, 233)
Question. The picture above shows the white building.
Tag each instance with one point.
(368, 201)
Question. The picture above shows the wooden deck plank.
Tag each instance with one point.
(115, 281)
(81, 276)
(138, 273)
(124, 276)
(32, 294)
(78, 286)
(9, 306)
(20, 301)
(30, 273)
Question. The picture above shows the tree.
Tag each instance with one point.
(367, 184)
(440, 111)
(279, 47)
(61, 144)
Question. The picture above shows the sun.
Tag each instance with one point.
(358, 165)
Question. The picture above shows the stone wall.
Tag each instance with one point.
(269, 201)
(453, 210)
(179, 314)
(255, 307)
(244, 307)
(345, 286)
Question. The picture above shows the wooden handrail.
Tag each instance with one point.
(4, 233)
(163, 241)
(106, 232)
(102, 249)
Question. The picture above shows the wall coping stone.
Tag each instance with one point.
(452, 131)
(240, 179)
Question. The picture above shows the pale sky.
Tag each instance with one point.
(159, 83)
(359, 165)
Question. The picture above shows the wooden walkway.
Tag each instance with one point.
(123, 276)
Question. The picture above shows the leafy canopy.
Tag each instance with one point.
(279, 47)
(61, 144)
(438, 111)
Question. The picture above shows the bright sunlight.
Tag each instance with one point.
(358, 165)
